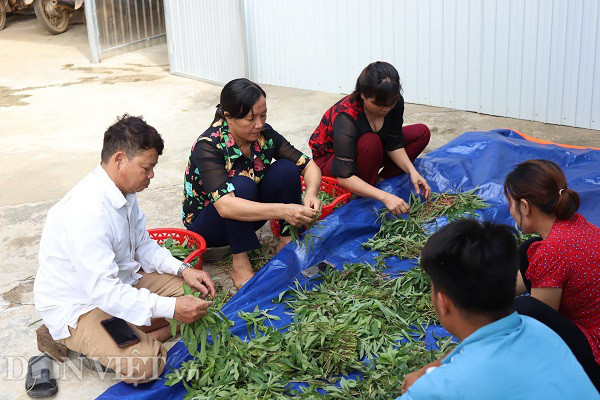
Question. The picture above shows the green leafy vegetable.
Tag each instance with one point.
(353, 314)
(405, 236)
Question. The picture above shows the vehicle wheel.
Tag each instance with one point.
(53, 17)
(2, 14)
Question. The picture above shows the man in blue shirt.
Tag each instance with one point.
(502, 355)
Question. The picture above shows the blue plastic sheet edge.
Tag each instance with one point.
(474, 159)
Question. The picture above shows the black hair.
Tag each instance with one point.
(543, 184)
(379, 80)
(131, 135)
(237, 99)
(475, 265)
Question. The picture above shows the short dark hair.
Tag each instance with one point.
(379, 80)
(237, 98)
(543, 184)
(131, 135)
(474, 264)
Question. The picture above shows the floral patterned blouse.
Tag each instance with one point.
(215, 158)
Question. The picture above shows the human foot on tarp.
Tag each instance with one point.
(283, 241)
(241, 271)
(161, 334)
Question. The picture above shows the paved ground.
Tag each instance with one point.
(54, 108)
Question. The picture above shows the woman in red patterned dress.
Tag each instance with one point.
(561, 269)
(363, 132)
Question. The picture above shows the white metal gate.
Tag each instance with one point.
(116, 26)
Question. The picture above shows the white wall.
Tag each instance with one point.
(529, 59)
(205, 39)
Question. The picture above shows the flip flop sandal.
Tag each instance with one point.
(39, 381)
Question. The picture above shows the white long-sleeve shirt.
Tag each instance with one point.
(93, 244)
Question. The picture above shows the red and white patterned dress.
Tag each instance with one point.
(569, 258)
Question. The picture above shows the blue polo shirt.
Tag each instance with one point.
(516, 357)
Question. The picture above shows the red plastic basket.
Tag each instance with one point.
(329, 185)
(195, 241)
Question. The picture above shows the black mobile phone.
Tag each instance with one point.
(120, 331)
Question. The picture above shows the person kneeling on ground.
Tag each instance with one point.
(560, 268)
(502, 355)
(97, 261)
(361, 140)
(241, 173)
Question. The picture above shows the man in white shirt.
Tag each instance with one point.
(97, 261)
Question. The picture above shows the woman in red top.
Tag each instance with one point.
(363, 132)
(561, 269)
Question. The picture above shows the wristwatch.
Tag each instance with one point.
(182, 268)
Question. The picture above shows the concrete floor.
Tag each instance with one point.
(54, 108)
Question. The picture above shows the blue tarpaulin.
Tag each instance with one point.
(475, 159)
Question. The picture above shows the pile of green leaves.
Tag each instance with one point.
(523, 237)
(325, 198)
(405, 236)
(353, 314)
(220, 299)
(299, 234)
(179, 250)
(383, 377)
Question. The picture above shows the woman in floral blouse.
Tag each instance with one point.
(242, 173)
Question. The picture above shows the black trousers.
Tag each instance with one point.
(281, 184)
(566, 329)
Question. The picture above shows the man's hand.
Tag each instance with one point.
(312, 201)
(190, 309)
(395, 204)
(412, 378)
(199, 280)
(298, 215)
(419, 182)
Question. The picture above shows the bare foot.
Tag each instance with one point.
(283, 241)
(160, 334)
(155, 324)
(241, 271)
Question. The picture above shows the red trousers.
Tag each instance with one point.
(370, 156)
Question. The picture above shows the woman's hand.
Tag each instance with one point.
(312, 201)
(298, 215)
(395, 204)
(419, 182)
